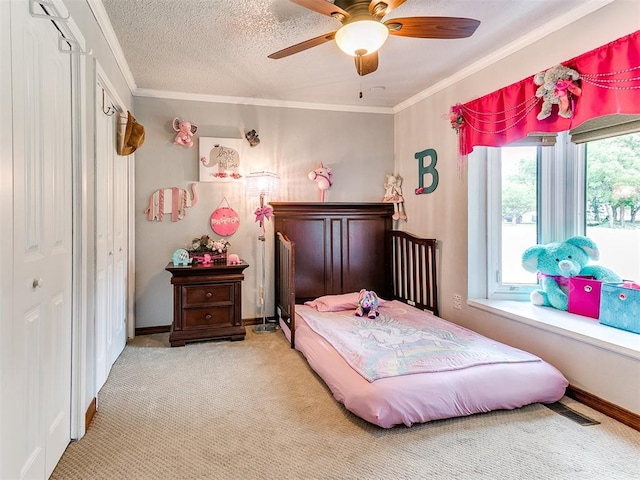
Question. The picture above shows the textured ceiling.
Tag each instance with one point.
(220, 47)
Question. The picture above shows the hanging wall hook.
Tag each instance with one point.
(110, 110)
(71, 46)
(46, 5)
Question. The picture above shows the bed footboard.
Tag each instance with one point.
(285, 283)
(413, 270)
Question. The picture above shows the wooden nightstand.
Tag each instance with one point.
(207, 302)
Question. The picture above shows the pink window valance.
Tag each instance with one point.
(609, 83)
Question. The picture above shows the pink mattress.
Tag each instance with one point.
(421, 397)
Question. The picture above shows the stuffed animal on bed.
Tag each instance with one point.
(556, 262)
(367, 303)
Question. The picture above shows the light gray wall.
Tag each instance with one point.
(443, 214)
(358, 147)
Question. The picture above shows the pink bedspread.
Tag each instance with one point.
(404, 341)
(422, 397)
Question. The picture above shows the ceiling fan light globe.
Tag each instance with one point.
(367, 35)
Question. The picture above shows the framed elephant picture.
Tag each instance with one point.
(220, 159)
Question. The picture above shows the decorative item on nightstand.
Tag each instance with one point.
(181, 257)
(206, 250)
(263, 184)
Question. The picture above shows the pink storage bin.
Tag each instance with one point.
(584, 296)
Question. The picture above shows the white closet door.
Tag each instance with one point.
(118, 324)
(111, 241)
(42, 229)
(104, 238)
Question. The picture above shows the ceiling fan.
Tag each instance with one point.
(363, 32)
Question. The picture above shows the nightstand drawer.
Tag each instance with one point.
(199, 295)
(193, 318)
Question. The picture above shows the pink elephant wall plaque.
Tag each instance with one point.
(171, 200)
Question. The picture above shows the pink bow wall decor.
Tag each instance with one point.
(263, 214)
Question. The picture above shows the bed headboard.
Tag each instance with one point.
(340, 247)
(332, 248)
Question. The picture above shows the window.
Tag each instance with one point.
(613, 202)
(540, 194)
(533, 197)
(519, 211)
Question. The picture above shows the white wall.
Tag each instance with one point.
(443, 214)
(358, 147)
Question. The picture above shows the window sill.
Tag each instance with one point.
(577, 327)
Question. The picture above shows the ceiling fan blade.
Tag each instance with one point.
(432, 27)
(322, 6)
(380, 8)
(299, 47)
(366, 64)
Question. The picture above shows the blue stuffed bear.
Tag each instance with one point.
(557, 262)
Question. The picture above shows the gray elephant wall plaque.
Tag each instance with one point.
(220, 159)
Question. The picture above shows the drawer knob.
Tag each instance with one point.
(208, 316)
(209, 295)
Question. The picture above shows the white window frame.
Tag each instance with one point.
(561, 209)
(516, 307)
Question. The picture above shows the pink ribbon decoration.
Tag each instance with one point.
(563, 88)
(560, 280)
(455, 117)
(263, 213)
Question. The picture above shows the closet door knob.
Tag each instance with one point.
(37, 283)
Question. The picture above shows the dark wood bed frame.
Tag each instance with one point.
(333, 248)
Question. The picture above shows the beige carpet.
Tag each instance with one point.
(254, 410)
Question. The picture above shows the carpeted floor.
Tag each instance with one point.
(254, 410)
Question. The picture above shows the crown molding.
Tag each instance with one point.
(261, 102)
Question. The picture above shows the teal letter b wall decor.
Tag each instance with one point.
(429, 169)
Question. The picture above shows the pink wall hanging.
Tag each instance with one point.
(171, 200)
(224, 220)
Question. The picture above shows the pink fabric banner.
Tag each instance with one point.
(609, 81)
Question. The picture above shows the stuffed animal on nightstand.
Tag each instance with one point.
(556, 262)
